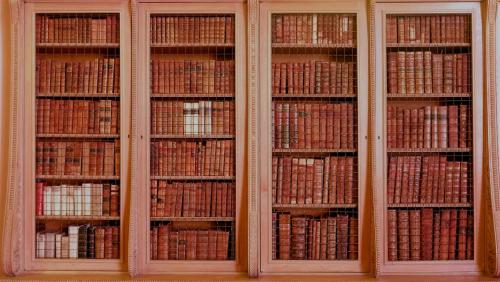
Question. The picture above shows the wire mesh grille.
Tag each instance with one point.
(192, 137)
(77, 128)
(314, 136)
(429, 137)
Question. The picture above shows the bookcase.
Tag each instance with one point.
(191, 127)
(72, 134)
(313, 143)
(428, 145)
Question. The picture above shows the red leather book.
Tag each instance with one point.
(391, 29)
(323, 108)
(443, 126)
(453, 126)
(353, 238)
(39, 198)
(443, 185)
(284, 236)
(415, 234)
(435, 127)
(426, 232)
(453, 235)
(294, 180)
(401, 29)
(399, 180)
(427, 127)
(403, 235)
(108, 243)
(405, 180)
(331, 251)
(350, 187)
(462, 234)
(470, 237)
(411, 179)
(414, 128)
(342, 237)
(344, 141)
(419, 72)
(455, 182)
(309, 181)
(318, 181)
(410, 72)
(163, 242)
(391, 179)
(202, 245)
(315, 136)
(333, 183)
(298, 240)
(463, 134)
(301, 181)
(392, 235)
(333, 77)
(154, 243)
(444, 239)
(323, 238)
(337, 126)
(464, 182)
(401, 66)
(330, 124)
(406, 128)
(437, 236)
(437, 73)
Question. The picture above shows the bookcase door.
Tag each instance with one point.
(75, 128)
(313, 143)
(428, 141)
(191, 114)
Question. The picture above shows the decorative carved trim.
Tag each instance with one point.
(253, 194)
(132, 236)
(13, 223)
(493, 195)
(375, 252)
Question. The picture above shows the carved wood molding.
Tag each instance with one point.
(376, 254)
(493, 184)
(13, 223)
(132, 236)
(253, 188)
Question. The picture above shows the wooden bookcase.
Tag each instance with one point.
(329, 41)
(61, 148)
(428, 108)
(191, 76)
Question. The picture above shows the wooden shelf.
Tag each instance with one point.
(195, 45)
(222, 178)
(77, 217)
(76, 135)
(318, 151)
(340, 96)
(427, 45)
(429, 150)
(193, 95)
(430, 95)
(78, 95)
(313, 45)
(169, 218)
(431, 205)
(315, 206)
(77, 177)
(78, 45)
(178, 136)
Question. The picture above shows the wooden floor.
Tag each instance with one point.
(214, 278)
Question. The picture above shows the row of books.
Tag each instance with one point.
(428, 127)
(313, 125)
(193, 117)
(192, 199)
(314, 77)
(450, 28)
(80, 242)
(326, 180)
(206, 29)
(81, 28)
(170, 244)
(314, 28)
(193, 158)
(78, 158)
(426, 72)
(433, 179)
(192, 76)
(430, 234)
(88, 199)
(99, 75)
(77, 116)
(311, 238)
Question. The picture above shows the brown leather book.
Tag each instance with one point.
(403, 235)
(154, 242)
(463, 131)
(284, 236)
(331, 251)
(453, 235)
(391, 29)
(462, 234)
(415, 234)
(298, 240)
(426, 234)
(464, 182)
(444, 234)
(342, 237)
(401, 69)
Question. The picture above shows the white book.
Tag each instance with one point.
(40, 245)
(56, 200)
(86, 198)
(78, 200)
(47, 200)
(58, 245)
(315, 29)
(195, 107)
(201, 117)
(64, 200)
(187, 119)
(70, 205)
(208, 117)
(73, 241)
(50, 245)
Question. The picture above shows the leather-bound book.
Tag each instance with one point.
(410, 72)
(462, 234)
(391, 29)
(323, 238)
(342, 237)
(108, 242)
(91, 242)
(298, 240)
(284, 236)
(403, 235)
(317, 181)
(82, 241)
(442, 127)
(415, 235)
(463, 134)
(464, 182)
(353, 238)
(453, 234)
(401, 68)
(202, 246)
(154, 243)
(391, 179)
(444, 239)
(331, 251)
(426, 234)
(443, 185)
